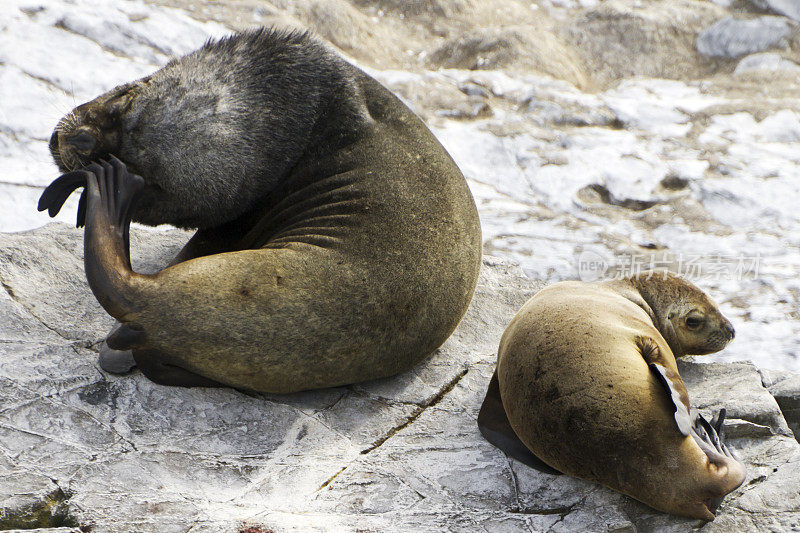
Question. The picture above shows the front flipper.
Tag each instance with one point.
(683, 413)
(495, 427)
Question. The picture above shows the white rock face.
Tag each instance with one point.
(765, 61)
(787, 8)
(697, 172)
(732, 37)
(79, 447)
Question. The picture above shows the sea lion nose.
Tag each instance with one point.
(54, 141)
(728, 327)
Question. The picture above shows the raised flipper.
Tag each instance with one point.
(495, 427)
(112, 192)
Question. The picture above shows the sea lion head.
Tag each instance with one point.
(688, 319)
(211, 133)
(92, 130)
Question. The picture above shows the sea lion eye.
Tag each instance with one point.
(693, 322)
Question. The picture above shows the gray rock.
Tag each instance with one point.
(731, 37)
(48, 530)
(121, 454)
(785, 387)
(620, 39)
(787, 8)
(765, 61)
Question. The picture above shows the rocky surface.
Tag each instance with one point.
(596, 139)
(731, 37)
(789, 8)
(591, 133)
(785, 387)
(81, 448)
(765, 61)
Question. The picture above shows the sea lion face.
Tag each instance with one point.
(196, 168)
(688, 319)
(699, 326)
(91, 131)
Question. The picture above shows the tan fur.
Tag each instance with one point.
(338, 241)
(575, 384)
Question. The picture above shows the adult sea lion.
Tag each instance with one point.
(587, 384)
(337, 240)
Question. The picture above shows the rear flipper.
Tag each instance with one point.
(495, 427)
(729, 471)
(711, 439)
(116, 361)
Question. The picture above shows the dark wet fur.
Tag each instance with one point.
(215, 131)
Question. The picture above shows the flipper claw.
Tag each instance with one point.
(710, 436)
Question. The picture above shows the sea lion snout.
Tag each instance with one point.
(76, 142)
(729, 329)
(90, 132)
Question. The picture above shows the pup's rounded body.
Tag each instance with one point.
(590, 385)
(338, 241)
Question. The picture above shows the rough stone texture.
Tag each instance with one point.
(619, 39)
(731, 37)
(50, 530)
(765, 61)
(785, 387)
(788, 8)
(401, 454)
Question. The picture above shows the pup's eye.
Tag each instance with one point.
(693, 322)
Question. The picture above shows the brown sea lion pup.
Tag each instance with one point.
(587, 384)
(337, 240)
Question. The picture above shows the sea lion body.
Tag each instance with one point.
(354, 260)
(590, 385)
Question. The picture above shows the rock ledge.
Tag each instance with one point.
(82, 448)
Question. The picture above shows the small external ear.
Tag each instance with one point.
(118, 105)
